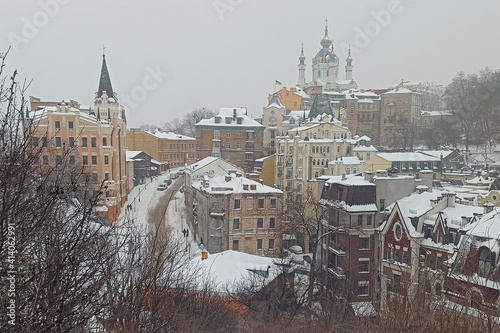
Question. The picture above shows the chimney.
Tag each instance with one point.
(344, 177)
(227, 178)
(261, 181)
(488, 207)
(234, 114)
(369, 176)
(238, 175)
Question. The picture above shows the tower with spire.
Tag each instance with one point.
(348, 67)
(326, 63)
(302, 69)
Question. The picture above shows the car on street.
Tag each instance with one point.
(174, 175)
(181, 172)
(168, 181)
(162, 187)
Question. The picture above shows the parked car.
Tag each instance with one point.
(168, 181)
(162, 187)
(181, 172)
(174, 175)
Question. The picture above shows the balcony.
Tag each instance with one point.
(337, 249)
(217, 212)
(337, 272)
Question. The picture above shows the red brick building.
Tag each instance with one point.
(231, 135)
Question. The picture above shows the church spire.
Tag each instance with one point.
(348, 67)
(302, 69)
(104, 80)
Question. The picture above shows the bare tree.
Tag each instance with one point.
(185, 125)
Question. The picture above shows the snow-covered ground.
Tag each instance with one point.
(144, 197)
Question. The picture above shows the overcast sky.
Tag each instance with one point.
(167, 58)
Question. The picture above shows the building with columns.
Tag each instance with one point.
(90, 137)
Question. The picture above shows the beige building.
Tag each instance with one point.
(163, 146)
(236, 213)
(92, 138)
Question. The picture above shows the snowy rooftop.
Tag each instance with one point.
(169, 135)
(437, 153)
(219, 185)
(487, 226)
(350, 180)
(401, 91)
(229, 268)
(130, 154)
(408, 157)
(228, 113)
(365, 148)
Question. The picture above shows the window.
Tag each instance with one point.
(260, 223)
(261, 203)
(363, 288)
(273, 203)
(272, 222)
(259, 244)
(58, 125)
(236, 244)
(44, 141)
(34, 141)
(228, 120)
(239, 121)
(216, 134)
(369, 220)
(398, 231)
(94, 177)
(71, 142)
(70, 125)
(238, 134)
(272, 122)
(106, 176)
(84, 142)
(271, 244)
(94, 160)
(360, 219)
(72, 159)
(405, 257)
(382, 205)
(237, 204)
(364, 243)
(45, 160)
(85, 160)
(228, 157)
(484, 266)
(104, 141)
(238, 157)
(93, 142)
(228, 134)
(364, 266)
(106, 160)
(238, 145)
(58, 141)
(217, 120)
(236, 224)
(228, 145)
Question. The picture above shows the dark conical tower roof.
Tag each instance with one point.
(104, 80)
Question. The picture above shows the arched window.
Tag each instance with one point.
(354, 170)
(327, 134)
(348, 150)
(338, 149)
(272, 122)
(347, 170)
(484, 266)
(322, 162)
(314, 162)
(316, 174)
(327, 149)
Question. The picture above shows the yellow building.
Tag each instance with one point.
(264, 169)
(293, 99)
(92, 138)
(163, 146)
